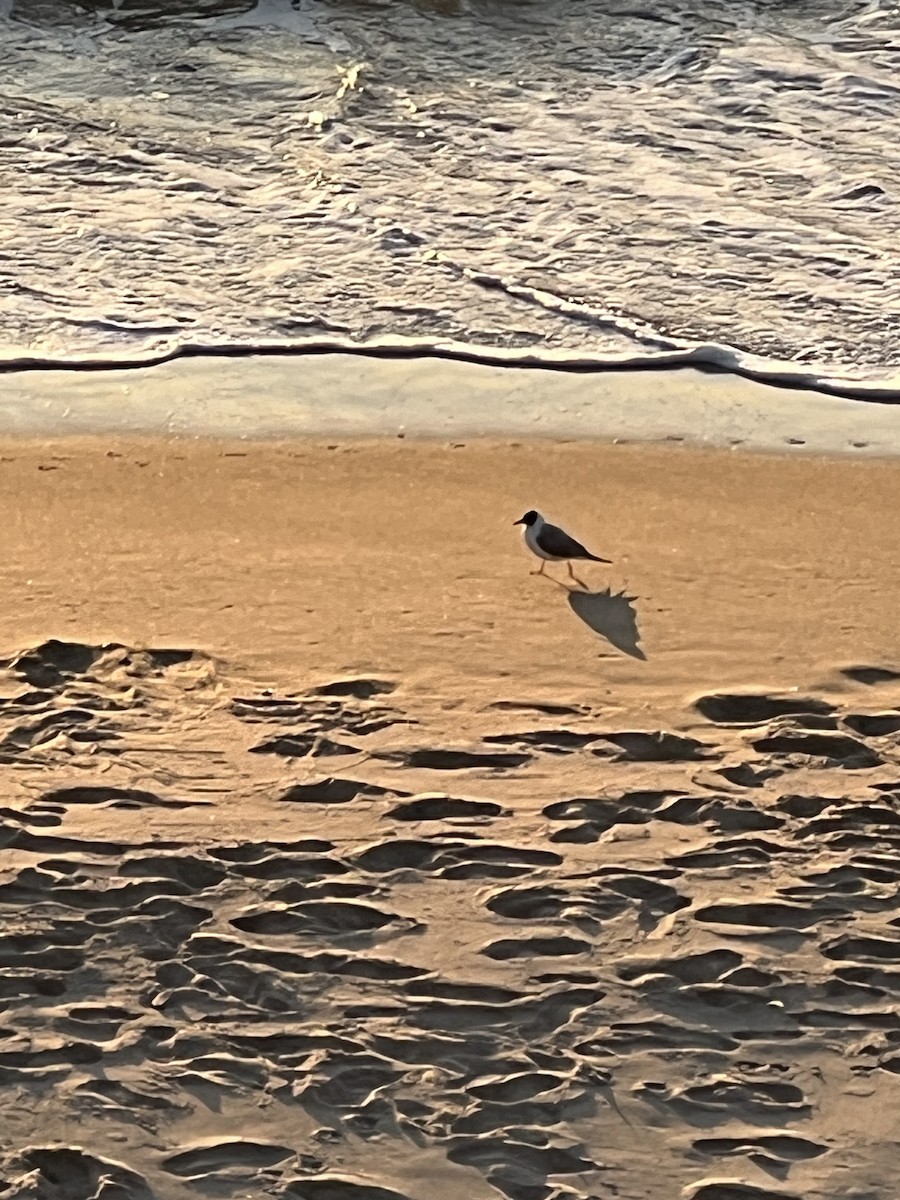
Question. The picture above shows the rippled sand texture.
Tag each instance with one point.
(311, 945)
(554, 175)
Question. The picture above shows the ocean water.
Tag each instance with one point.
(586, 180)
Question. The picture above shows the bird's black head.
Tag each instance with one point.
(529, 519)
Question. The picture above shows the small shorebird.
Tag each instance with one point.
(552, 544)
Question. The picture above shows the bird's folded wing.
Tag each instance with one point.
(555, 541)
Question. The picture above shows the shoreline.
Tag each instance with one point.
(671, 355)
(327, 395)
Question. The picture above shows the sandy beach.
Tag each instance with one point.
(342, 857)
(346, 861)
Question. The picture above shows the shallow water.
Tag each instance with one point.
(599, 178)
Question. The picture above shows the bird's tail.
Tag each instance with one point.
(596, 558)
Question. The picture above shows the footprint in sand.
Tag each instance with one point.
(758, 708)
(57, 1172)
(428, 759)
(212, 1157)
(331, 790)
(440, 807)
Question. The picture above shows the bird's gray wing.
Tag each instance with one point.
(555, 541)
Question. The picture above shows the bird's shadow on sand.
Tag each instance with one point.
(612, 615)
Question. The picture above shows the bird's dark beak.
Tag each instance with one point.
(521, 521)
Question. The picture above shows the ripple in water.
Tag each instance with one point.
(552, 178)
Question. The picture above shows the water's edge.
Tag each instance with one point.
(709, 356)
(449, 391)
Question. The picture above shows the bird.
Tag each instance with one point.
(552, 544)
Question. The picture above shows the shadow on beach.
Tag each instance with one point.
(612, 615)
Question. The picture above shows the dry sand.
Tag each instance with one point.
(345, 861)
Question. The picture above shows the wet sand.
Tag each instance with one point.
(345, 861)
(358, 395)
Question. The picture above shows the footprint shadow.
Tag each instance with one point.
(612, 615)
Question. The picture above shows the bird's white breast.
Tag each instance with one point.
(531, 540)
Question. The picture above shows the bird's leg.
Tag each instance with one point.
(572, 575)
(541, 571)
